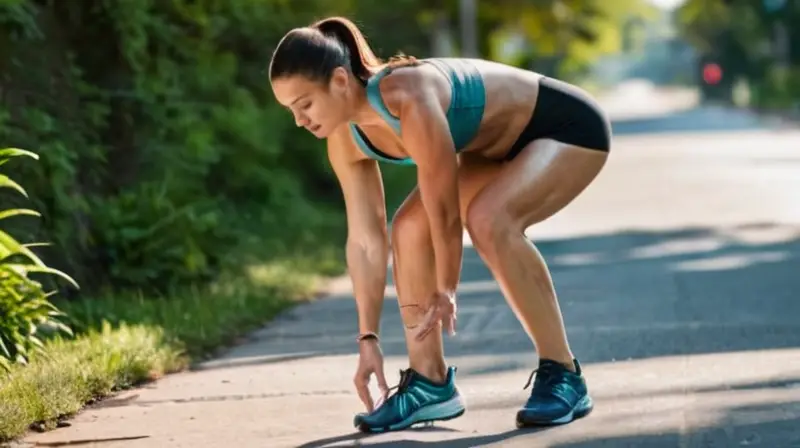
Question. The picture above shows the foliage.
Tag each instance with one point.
(166, 155)
(564, 37)
(24, 305)
(741, 37)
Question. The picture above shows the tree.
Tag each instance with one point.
(751, 40)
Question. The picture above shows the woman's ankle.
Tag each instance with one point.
(435, 370)
(567, 360)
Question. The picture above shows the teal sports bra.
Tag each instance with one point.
(468, 100)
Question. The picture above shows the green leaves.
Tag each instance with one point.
(560, 37)
(167, 154)
(7, 153)
(17, 212)
(24, 306)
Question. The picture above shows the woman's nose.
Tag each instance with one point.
(300, 120)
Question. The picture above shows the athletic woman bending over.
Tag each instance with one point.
(496, 149)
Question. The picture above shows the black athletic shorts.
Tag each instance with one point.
(566, 114)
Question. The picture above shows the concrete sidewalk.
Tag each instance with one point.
(678, 277)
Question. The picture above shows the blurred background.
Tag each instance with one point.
(180, 196)
(163, 152)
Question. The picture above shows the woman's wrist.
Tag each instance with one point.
(369, 320)
(368, 336)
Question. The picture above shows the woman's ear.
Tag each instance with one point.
(340, 81)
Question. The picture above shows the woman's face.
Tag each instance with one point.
(316, 106)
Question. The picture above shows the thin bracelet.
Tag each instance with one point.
(367, 335)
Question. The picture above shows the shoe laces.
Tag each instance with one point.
(546, 375)
(405, 380)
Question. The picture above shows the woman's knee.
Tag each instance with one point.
(409, 228)
(487, 223)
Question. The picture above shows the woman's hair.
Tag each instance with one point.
(316, 51)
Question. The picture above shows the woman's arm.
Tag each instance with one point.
(367, 239)
(426, 138)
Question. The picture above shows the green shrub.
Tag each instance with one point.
(24, 304)
(779, 90)
(167, 156)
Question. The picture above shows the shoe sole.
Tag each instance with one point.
(582, 409)
(444, 411)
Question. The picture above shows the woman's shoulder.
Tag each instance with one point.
(405, 80)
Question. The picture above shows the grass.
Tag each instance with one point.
(126, 340)
(77, 372)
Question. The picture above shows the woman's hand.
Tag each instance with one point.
(442, 309)
(370, 361)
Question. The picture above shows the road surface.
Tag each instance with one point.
(678, 275)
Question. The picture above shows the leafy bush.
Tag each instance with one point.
(779, 90)
(168, 159)
(24, 304)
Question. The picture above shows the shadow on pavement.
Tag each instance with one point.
(767, 425)
(629, 295)
(482, 440)
(359, 436)
(770, 425)
(787, 385)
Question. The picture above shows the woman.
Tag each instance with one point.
(496, 149)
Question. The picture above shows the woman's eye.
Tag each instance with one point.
(306, 106)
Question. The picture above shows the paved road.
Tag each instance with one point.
(678, 274)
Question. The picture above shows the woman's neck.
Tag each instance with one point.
(364, 114)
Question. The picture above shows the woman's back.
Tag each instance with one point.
(487, 103)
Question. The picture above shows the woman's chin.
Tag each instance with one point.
(319, 132)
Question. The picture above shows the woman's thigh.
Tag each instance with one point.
(474, 174)
(541, 180)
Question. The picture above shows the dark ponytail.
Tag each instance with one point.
(317, 50)
(362, 59)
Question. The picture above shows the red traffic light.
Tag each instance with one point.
(712, 73)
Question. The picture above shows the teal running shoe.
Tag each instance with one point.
(558, 396)
(416, 400)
